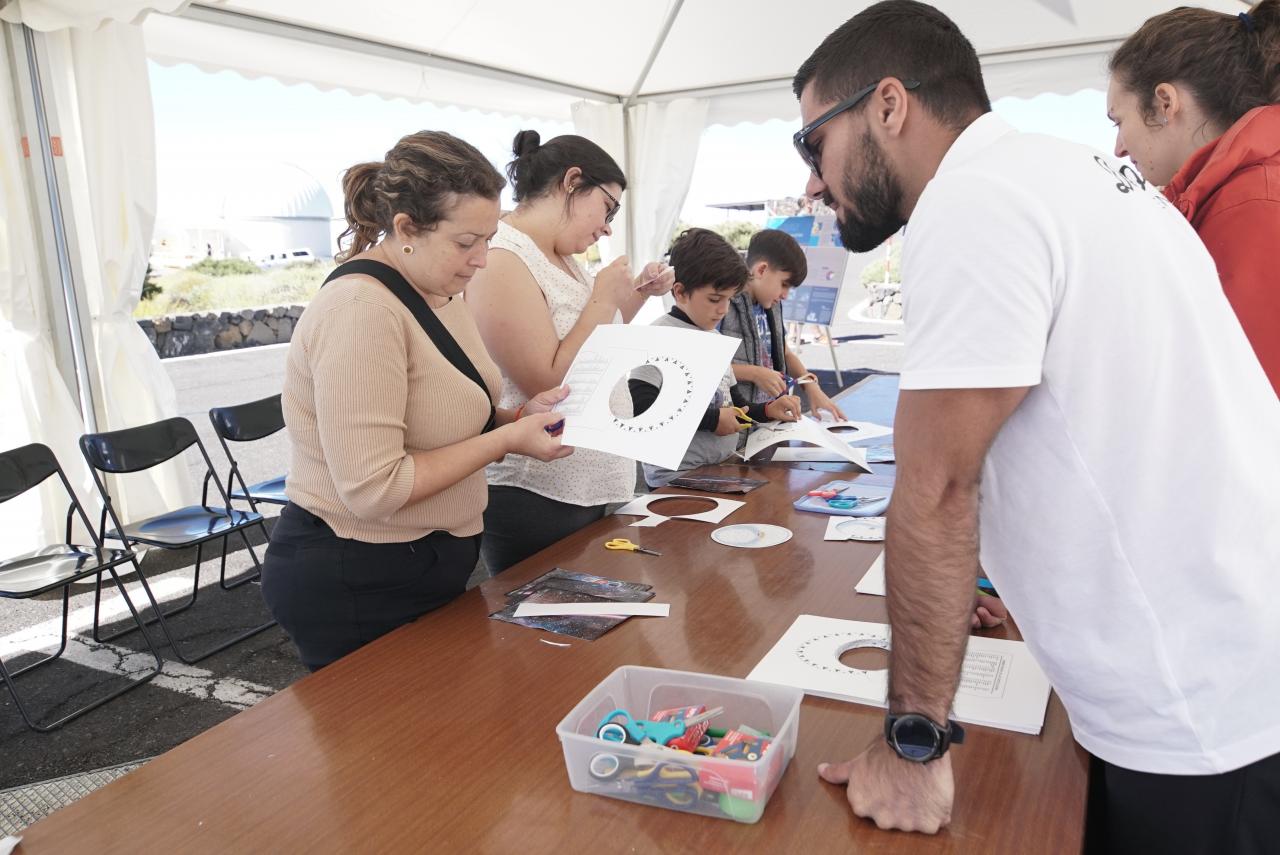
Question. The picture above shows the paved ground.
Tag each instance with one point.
(186, 700)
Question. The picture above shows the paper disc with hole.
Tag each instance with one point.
(861, 528)
(751, 535)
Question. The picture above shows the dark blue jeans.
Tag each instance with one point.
(333, 595)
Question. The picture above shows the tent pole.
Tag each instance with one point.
(628, 128)
(80, 334)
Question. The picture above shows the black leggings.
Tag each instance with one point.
(333, 595)
(519, 522)
(1234, 813)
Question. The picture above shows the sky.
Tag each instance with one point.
(210, 124)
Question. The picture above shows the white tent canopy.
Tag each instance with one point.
(541, 57)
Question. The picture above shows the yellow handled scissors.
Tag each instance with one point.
(627, 546)
(744, 421)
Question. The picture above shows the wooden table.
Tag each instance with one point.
(441, 736)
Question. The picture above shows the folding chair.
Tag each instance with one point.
(58, 565)
(135, 449)
(246, 423)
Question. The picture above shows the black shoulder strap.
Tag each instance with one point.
(431, 325)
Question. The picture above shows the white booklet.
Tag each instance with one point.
(597, 411)
(1000, 683)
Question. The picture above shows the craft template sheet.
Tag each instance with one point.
(1000, 683)
(639, 506)
(805, 430)
(691, 363)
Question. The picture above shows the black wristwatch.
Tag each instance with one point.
(919, 738)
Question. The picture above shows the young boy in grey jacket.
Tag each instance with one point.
(709, 273)
(776, 264)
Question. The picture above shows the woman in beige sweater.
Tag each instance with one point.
(388, 400)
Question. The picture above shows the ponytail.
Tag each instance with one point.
(361, 209)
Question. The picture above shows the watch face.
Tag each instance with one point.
(915, 738)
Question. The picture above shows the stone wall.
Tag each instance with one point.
(885, 303)
(186, 335)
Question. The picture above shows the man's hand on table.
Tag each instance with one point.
(895, 793)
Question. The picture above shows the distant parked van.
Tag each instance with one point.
(279, 259)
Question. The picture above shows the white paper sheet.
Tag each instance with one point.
(616, 609)
(640, 506)
(805, 430)
(872, 582)
(692, 364)
(1000, 683)
(862, 430)
(793, 454)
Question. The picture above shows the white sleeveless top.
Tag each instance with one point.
(586, 477)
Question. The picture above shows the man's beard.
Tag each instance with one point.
(872, 215)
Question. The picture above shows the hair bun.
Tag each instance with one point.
(525, 143)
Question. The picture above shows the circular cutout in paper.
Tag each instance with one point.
(674, 380)
(751, 535)
(861, 528)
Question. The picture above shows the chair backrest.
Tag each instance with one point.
(25, 467)
(138, 448)
(247, 422)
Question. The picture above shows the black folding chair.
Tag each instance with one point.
(135, 449)
(58, 565)
(246, 423)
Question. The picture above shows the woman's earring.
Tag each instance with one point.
(406, 249)
(1164, 120)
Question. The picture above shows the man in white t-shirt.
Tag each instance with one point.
(1071, 362)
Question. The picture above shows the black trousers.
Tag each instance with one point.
(333, 595)
(1235, 813)
(519, 522)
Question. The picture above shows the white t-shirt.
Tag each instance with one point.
(1130, 506)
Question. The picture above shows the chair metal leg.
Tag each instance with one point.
(9, 678)
(150, 621)
(66, 609)
(161, 618)
(257, 565)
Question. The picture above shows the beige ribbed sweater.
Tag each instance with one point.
(364, 388)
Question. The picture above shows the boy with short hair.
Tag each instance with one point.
(763, 361)
(709, 273)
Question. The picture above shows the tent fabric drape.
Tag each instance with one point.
(604, 126)
(664, 141)
(101, 87)
(45, 409)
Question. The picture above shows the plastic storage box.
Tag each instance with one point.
(693, 783)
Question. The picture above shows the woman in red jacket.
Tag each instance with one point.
(1194, 97)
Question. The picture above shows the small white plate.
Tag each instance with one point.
(751, 535)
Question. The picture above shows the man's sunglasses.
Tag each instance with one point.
(801, 137)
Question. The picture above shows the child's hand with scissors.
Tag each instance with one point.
(732, 420)
(767, 380)
(783, 409)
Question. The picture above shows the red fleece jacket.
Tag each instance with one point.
(1230, 191)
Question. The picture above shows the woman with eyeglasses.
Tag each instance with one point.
(535, 306)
